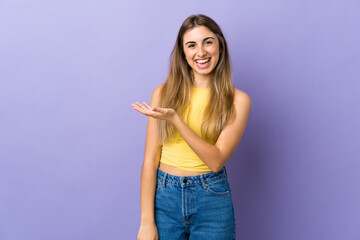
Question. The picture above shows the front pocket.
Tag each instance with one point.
(219, 187)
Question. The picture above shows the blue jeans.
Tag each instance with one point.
(194, 207)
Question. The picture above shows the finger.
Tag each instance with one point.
(159, 109)
(147, 105)
(136, 106)
(139, 108)
(140, 105)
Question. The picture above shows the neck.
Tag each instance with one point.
(202, 80)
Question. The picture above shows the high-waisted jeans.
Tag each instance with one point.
(194, 207)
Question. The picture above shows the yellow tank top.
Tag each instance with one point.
(178, 153)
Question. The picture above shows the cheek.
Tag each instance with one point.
(214, 51)
(188, 56)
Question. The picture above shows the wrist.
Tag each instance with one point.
(174, 119)
(147, 221)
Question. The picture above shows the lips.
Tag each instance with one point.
(203, 63)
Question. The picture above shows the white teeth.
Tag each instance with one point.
(202, 61)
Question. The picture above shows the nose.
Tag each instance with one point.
(201, 52)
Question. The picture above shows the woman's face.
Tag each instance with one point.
(201, 48)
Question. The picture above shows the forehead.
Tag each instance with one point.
(197, 34)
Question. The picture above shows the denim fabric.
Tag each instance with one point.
(194, 207)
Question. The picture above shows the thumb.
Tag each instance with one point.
(158, 109)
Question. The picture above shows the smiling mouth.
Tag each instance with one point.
(203, 61)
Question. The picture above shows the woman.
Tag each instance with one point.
(197, 119)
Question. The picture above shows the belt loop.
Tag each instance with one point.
(163, 181)
(225, 170)
(202, 181)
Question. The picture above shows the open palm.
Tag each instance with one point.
(155, 112)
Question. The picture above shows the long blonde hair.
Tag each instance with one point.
(177, 89)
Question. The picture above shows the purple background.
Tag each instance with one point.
(72, 147)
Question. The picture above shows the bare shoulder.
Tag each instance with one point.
(158, 89)
(242, 104)
(155, 99)
(242, 98)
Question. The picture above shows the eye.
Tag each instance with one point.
(208, 42)
(191, 45)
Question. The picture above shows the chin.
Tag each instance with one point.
(205, 72)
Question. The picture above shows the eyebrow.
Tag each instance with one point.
(203, 40)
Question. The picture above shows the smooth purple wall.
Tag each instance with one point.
(71, 146)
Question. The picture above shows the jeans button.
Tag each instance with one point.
(185, 180)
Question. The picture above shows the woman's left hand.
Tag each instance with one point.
(155, 112)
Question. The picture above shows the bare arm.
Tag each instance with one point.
(216, 156)
(150, 166)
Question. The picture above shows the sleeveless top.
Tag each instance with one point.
(178, 153)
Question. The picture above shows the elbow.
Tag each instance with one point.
(215, 170)
(218, 162)
(214, 160)
(217, 166)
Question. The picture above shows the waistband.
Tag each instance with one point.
(165, 177)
